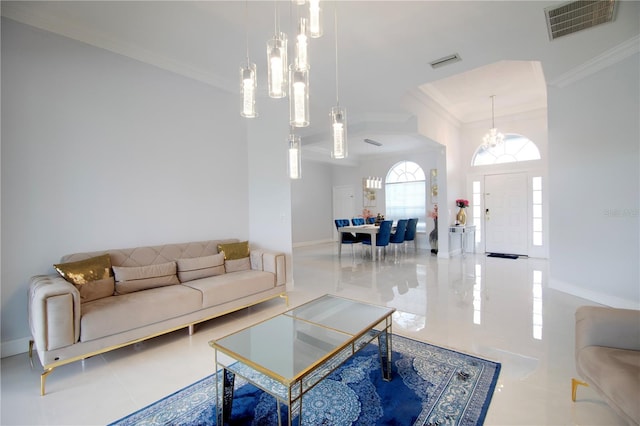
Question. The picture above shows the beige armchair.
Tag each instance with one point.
(608, 357)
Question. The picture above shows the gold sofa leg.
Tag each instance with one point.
(286, 298)
(31, 342)
(574, 386)
(43, 378)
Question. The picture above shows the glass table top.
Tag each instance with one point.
(286, 346)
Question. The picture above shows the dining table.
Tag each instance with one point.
(362, 229)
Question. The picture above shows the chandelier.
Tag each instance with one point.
(493, 137)
(291, 80)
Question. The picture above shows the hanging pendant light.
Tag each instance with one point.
(315, 19)
(338, 113)
(277, 65)
(248, 81)
(339, 132)
(298, 97)
(295, 156)
(302, 45)
(248, 89)
(493, 137)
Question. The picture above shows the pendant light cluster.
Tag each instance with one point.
(493, 138)
(292, 80)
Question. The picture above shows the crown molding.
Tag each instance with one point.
(600, 62)
(434, 106)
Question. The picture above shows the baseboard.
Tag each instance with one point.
(311, 243)
(14, 347)
(594, 296)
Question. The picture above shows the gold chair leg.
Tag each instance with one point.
(574, 386)
(43, 378)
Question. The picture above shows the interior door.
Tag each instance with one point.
(344, 205)
(506, 215)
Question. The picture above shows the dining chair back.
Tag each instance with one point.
(358, 221)
(383, 236)
(397, 237)
(371, 220)
(345, 237)
(410, 233)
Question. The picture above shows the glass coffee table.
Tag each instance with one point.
(289, 354)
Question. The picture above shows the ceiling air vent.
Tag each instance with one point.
(445, 61)
(372, 142)
(576, 16)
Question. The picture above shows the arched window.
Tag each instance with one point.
(514, 148)
(405, 193)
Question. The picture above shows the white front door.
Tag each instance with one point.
(344, 204)
(506, 215)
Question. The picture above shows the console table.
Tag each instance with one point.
(464, 232)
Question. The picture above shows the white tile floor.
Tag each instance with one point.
(500, 309)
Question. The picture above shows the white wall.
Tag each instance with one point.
(100, 151)
(312, 203)
(594, 162)
(269, 188)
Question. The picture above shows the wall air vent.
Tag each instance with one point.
(445, 61)
(576, 16)
(372, 142)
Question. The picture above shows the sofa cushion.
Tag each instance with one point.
(234, 250)
(224, 288)
(136, 278)
(117, 314)
(92, 277)
(200, 267)
(615, 374)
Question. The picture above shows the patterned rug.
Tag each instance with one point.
(430, 386)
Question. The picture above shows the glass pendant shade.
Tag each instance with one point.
(315, 19)
(299, 97)
(295, 157)
(248, 90)
(277, 69)
(339, 132)
(302, 45)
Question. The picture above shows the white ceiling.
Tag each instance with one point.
(384, 51)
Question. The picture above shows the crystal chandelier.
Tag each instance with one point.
(493, 137)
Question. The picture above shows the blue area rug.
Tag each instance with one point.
(430, 386)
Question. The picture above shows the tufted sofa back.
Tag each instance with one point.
(152, 255)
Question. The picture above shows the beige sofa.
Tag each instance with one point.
(608, 357)
(144, 299)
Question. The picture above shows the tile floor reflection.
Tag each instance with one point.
(500, 309)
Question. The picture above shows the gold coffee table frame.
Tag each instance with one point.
(287, 355)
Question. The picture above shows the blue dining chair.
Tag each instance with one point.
(397, 237)
(410, 233)
(371, 220)
(358, 221)
(345, 237)
(382, 238)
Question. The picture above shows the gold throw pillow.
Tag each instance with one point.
(234, 251)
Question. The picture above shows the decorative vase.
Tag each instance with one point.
(461, 217)
(433, 237)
